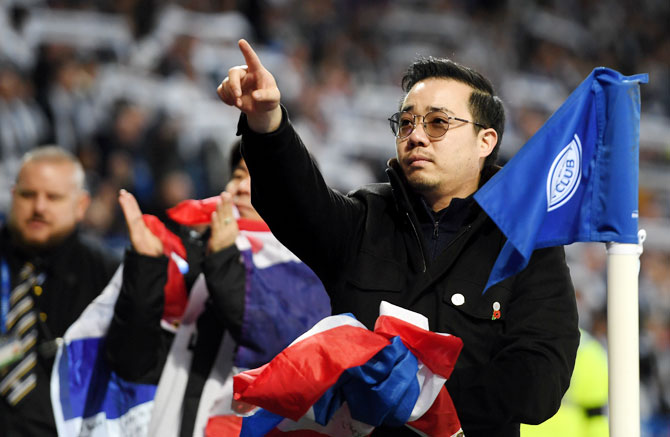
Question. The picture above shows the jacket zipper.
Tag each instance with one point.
(418, 240)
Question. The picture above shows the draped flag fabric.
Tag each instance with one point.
(576, 179)
(341, 379)
(88, 398)
(193, 211)
(176, 295)
(284, 298)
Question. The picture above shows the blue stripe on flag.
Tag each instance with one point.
(93, 387)
(283, 301)
(383, 390)
(261, 423)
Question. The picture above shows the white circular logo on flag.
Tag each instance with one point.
(564, 175)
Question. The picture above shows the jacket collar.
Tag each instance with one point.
(400, 188)
(406, 206)
(54, 258)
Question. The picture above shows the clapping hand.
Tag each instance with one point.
(143, 240)
(224, 226)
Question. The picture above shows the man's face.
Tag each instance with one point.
(239, 187)
(442, 168)
(47, 203)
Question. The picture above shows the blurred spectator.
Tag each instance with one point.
(71, 105)
(123, 151)
(130, 88)
(583, 411)
(51, 272)
(172, 188)
(22, 125)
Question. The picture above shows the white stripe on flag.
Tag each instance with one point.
(330, 323)
(430, 384)
(340, 425)
(416, 319)
(273, 254)
(95, 319)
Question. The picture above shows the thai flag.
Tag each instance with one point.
(88, 398)
(284, 298)
(341, 379)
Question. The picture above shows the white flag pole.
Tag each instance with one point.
(623, 348)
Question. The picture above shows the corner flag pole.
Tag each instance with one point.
(623, 268)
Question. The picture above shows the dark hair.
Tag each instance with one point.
(235, 156)
(485, 106)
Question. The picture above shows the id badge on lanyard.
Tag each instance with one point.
(11, 349)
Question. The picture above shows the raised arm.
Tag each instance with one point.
(224, 226)
(224, 273)
(253, 90)
(315, 222)
(143, 240)
(136, 344)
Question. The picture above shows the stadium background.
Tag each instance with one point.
(129, 86)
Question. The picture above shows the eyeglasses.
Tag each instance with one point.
(435, 123)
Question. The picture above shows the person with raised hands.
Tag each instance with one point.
(420, 241)
(233, 311)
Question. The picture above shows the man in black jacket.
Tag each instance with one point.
(51, 272)
(421, 242)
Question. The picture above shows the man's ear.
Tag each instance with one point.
(487, 140)
(83, 202)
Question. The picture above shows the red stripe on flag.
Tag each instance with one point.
(246, 224)
(298, 433)
(199, 212)
(219, 426)
(193, 212)
(440, 416)
(176, 296)
(436, 351)
(296, 378)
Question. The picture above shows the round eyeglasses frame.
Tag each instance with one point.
(435, 124)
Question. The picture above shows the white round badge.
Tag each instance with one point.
(458, 299)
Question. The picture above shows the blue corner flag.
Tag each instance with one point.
(576, 179)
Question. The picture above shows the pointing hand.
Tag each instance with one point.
(253, 90)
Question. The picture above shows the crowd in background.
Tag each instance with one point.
(129, 86)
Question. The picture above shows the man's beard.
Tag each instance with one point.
(35, 247)
(421, 184)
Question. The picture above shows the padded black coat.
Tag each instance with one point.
(366, 247)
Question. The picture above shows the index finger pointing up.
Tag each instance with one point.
(250, 57)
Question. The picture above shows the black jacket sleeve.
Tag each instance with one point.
(136, 343)
(297, 216)
(225, 277)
